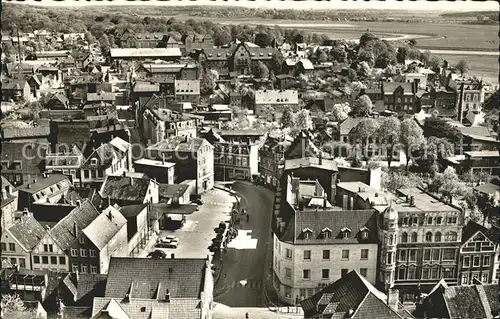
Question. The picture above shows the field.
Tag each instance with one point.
(486, 66)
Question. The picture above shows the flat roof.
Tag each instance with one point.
(145, 161)
(483, 153)
(423, 202)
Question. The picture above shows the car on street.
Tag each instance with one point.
(198, 202)
(168, 242)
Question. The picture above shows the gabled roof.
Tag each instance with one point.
(101, 96)
(302, 146)
(179, 144)
(105, 155)
(390, 87)
(43, 183)
(187, 87)
(125, 188)
(145, 52)
(27, 232)
(276, 97)
(102, 229)
(147, 278)
(350, 293)
(82, 216)
(85, 287)
(146, 87)
(25, 132)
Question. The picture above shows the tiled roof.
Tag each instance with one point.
(131, 211)
(82, 216)
(44, 182)
(148, 278)
(101, 96)
(10, 197)
(390, 87)
(217, 54)
(61, 97)
(145, 52)
(351, 122)
(25, 132)
(350, 293)
(172, 190)
(471, 229)
(105, 155)
(187, 86)
(125, 188)
(276, 97)
(28, 232)
(303, 147)
(102, 229)
(307, 64)
(336, 220)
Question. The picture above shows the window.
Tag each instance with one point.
(364, 253)
(4, 246)
(437, 237)
(82, 240)
(439, 220)
(12, 247)
(465, 279)
(414, 221)
(429, 220)
(326, 254)
(344, 272)
(36, 259)
(62, 260)
(93, 269)
(414, 237)
(83, 252)
(364, 234)
(53, 260)
(426, 272)
(466, 262)
(404, 237)
(327, 233)
(325, 274)
(345, 254)
(389, 258)
(428, 237)
(74, 267)
(306, 273)
(84, 269)
(402, 273)
(22, 263)
(13, 261)
(346, 234)
(288, 253)
(45, 260)
(363, 271)
(288, 273)
(451, 236)
(51, 248)
(403, 255)
(451, 220)
(435, 254)
(486, 261)
(74, 252)
(307, 255)
(86, 173)
(45, 248)
(412, 255)
(477, 261)
(484, 278)
(427, 254)
(411, 272)
(92, 252)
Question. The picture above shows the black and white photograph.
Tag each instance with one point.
(239, 159)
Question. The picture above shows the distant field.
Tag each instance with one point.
(487, 66)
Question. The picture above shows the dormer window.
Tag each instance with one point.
(346, 232)
(93, 161)
(326, 232)
(364, 232)
(307, 233)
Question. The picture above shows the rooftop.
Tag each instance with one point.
(423, 202)
(28, 232)
(483, 153)
(145, 52)
(42, 183)
(125, 188)
(102, 229)
(276, 97)
(149, 162)
(147, 278)
(179, 144)
(172, 190)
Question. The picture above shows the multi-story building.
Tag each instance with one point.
(20, 238)
(66, 162)
(244, 56)
(270, 104)
(236, 153)
(470, 99)
(479, 254)
(272, 159)
(49, 188)
(315, 243)
(138, 231)
(113, 158)
(187, 91)
(399, 97)
(130, 39)
(428, 235)
(160, 124)
(482, 161)
(194, 158)
(9, 203)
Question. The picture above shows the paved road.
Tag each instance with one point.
(243, 272)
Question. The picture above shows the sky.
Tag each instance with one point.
(419, 5)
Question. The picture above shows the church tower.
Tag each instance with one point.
(389, 247)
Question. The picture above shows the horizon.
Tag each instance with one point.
(443, 6)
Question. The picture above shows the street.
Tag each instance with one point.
(243, 273)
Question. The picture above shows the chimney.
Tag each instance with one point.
(28, 186)
(75, 228)
(344, 202)
(26, 211)
(77, 273)
(360, 189)
(109, 201)
(351, 203)
(8, 189)
(393, 299)
(34, 181)
(412, 201)
(324, 201)
(79, 203)
(172, 255)
(124, 174)
(4, 193)
(167, 296)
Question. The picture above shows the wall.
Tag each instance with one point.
(15, 256)
(8, 210)
(207, 294)
(57, 252)
(116, 247)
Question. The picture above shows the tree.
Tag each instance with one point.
(411, 137)
(207, 83)
(432, 153)
(364, 70)
(365, 129)
(260, 70)
(367, 56)
(157, 254)
(286, 120)
(393, 181)
(34, 109)
(263, 39)
(435, 61)
(462, 67)
(221, 37)
(104, 42)
(401, 55)
(363, 106)
(277, 62)
(440, 128)
(447, 184)
(303, 120)
(412, 42)
(13, 307)
(366, 38)
(389, 132)
(340, 112)
(322, 56)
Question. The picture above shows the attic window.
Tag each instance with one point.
(364, 232)
(261, 54)
(346, 232)
(307, 233)
(143, 309)
(270, 54)
(210, 54)
(326, 232)
(218, 54)
(253, 54)
(93, 161)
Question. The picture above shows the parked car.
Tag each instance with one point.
(157, 254)
(198, 202)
